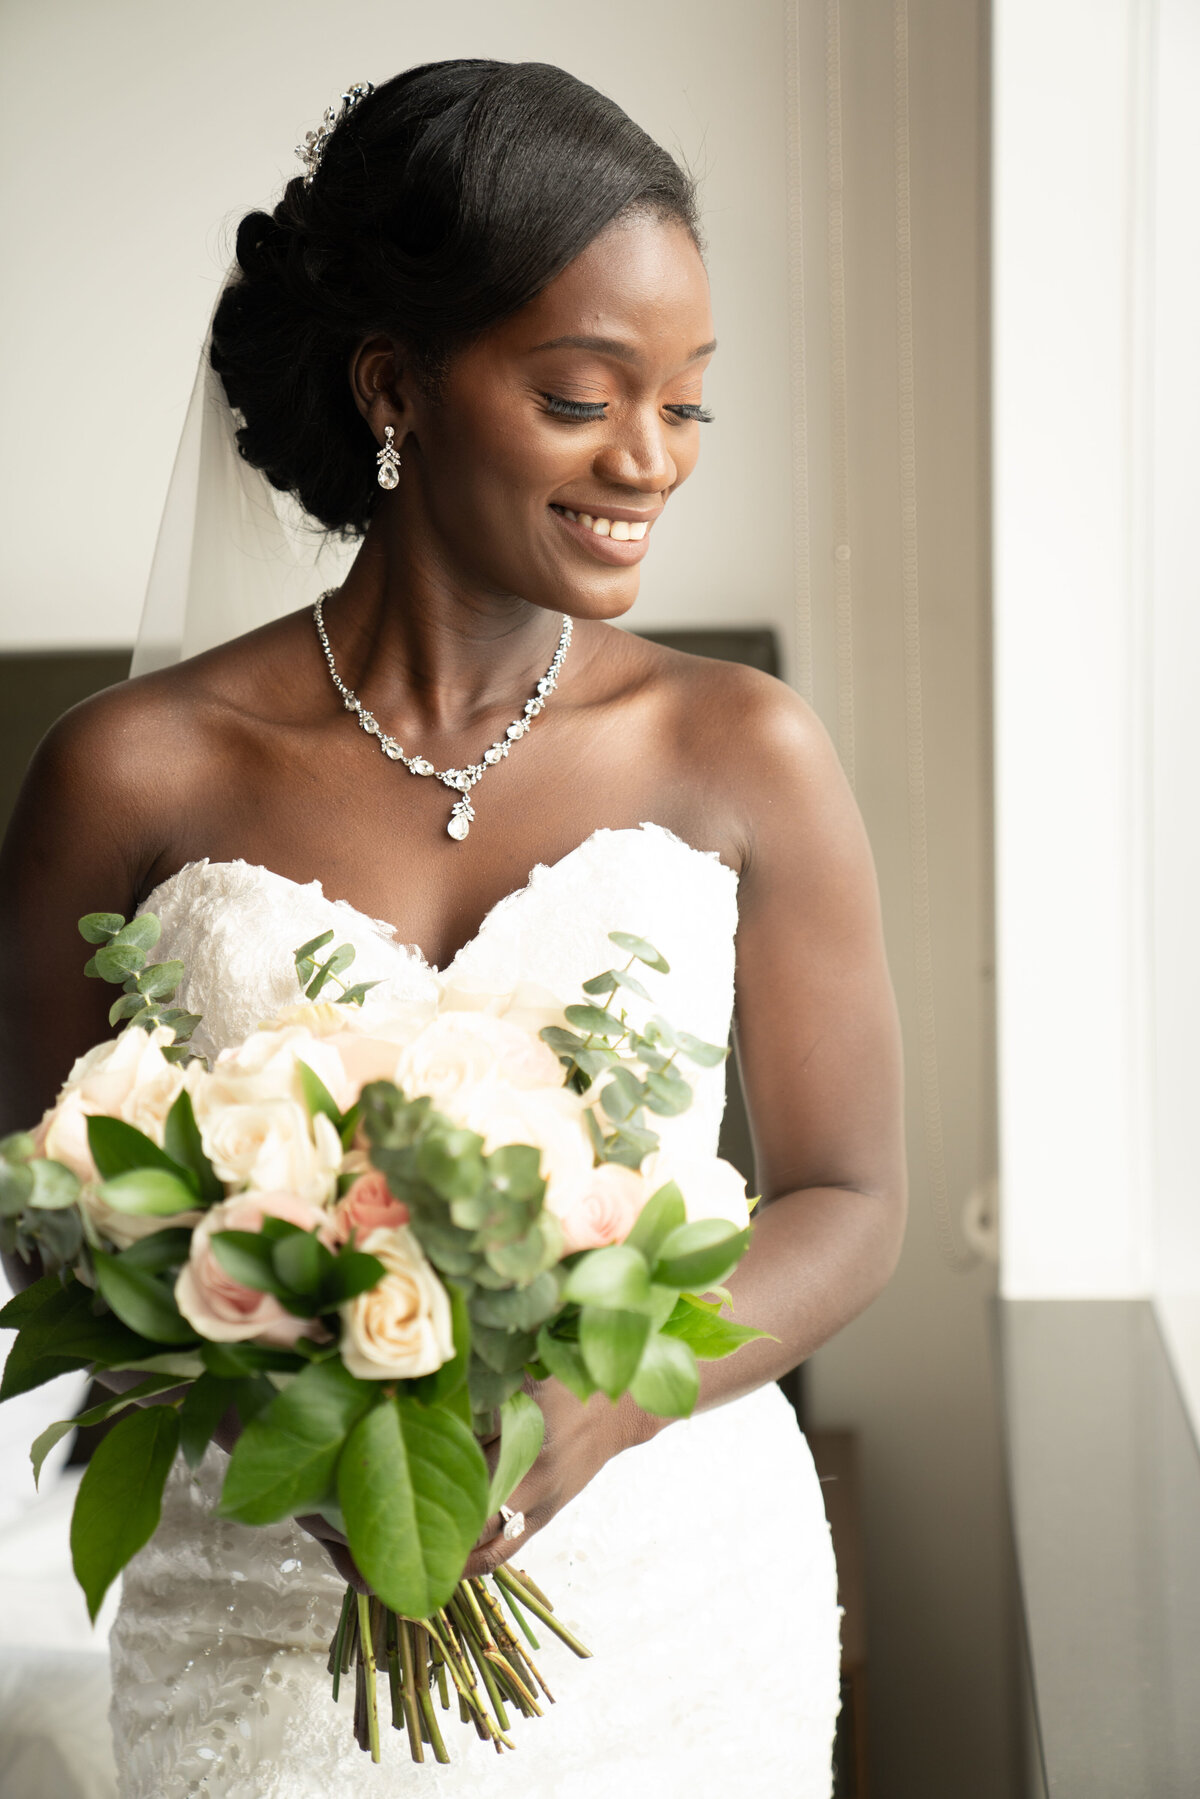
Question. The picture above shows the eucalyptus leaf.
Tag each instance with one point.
(522, 1429)
(594, 1021)
(116, 960)
(413, 1488)
(645, 952)
(142, 932)
(127, 1006)
(160, 980)
(119, 1502)
(16, 1187)
(622, 1095)
(99, 927)
(522, 1308)
(309, 949)
(284, 1461)
(667, 1093)
(615, 977)
(705, 1055)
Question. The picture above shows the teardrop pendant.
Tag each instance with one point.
(458, 827)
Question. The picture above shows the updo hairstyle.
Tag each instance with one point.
(443, 202)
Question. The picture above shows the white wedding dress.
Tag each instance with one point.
(698, 1567)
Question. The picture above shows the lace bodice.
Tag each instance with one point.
(235, 926)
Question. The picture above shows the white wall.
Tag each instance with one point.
(140, 131)
(1097, 392)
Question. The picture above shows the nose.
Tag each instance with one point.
(637, 453)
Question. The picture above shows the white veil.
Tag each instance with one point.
(232, 552)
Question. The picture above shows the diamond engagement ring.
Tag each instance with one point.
(514, 1524)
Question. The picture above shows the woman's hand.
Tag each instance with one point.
(337, 1548)
(580, 1438)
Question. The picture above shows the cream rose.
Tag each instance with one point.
(551, 1119)
(601, 1207)
(264, 1068)
(270, 1145)
(220, 1308)
(461, 1050)
(367, 1043)
(711, 1187)
(127, 1077)
(401, 1327)
(527, 1005)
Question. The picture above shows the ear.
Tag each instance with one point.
(383, 388)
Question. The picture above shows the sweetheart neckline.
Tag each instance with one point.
(388, 930)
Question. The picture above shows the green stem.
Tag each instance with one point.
(411, 1714)
(425, 1698)
(541, 1611)
(339, 1642)
(367, 1650)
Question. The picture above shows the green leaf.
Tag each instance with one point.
(297, 1260)
(99, 927)
(705, 1055)
(142, 932)
(64, 1334)
(353, 1272)
(615, 977)
(595, 1021)
(515, 1171)
(434, 1389)
(504, 1352)
(354, 996)
(181, 1141)
(160, 980)
(26, 1305)
(566, 1364)
(667, 1093)
(708, 1335)
(623, 1094)
(283, 1463)
(53, 1186)
(616, 1276)
(645, 952)
(307, 950)
(127, 1006)
(235, 1361)
(667, 1382)
(563, 1043)
(611, 1343)
(205, 1404)
(117, 1147)
(148, 1193)
(701, 1254)
(413, 1487)
(119, 1502)
(16, 1187)
(54, 1433)
(317, 1096)
(247, 1256)
(522, 1308)
(141, 1301)
(452, 1163)
(522, 1428)
(662, 1213)
(159, 1251)
(116, 960)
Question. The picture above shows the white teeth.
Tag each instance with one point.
(620, 529)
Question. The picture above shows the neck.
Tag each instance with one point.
(418, 646)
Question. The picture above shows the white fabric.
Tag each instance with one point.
(231, 552)
(699, 1567)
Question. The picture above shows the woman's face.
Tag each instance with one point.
(560, 434)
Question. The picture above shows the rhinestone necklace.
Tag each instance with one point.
(461, 780)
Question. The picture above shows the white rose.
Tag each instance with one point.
(269, 1145)
(711, 1187)
(401, 1327)
(549, 1118)
(127, 1077)
(264, 1068)
(461, 1050)
(526, 1005)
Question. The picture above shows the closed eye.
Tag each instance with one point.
(595, 409)
(700, 413)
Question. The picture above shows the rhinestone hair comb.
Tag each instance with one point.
(312, 149)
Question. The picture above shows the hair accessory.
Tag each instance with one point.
(312, 149)
(460, 780)
(389, 461)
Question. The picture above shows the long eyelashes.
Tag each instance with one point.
(595, 409)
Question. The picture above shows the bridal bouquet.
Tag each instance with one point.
(363, 1232)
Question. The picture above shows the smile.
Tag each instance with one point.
(612, 540)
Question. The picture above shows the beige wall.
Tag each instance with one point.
(159, 123)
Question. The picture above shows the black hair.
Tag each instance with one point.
(444, 201)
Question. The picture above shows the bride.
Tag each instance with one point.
(474, 335)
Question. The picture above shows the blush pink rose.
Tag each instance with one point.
(600, 1208)
(369, 1205)
(220, 1308)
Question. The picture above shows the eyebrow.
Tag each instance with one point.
(610, 346)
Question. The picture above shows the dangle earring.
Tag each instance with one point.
(389, 461)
